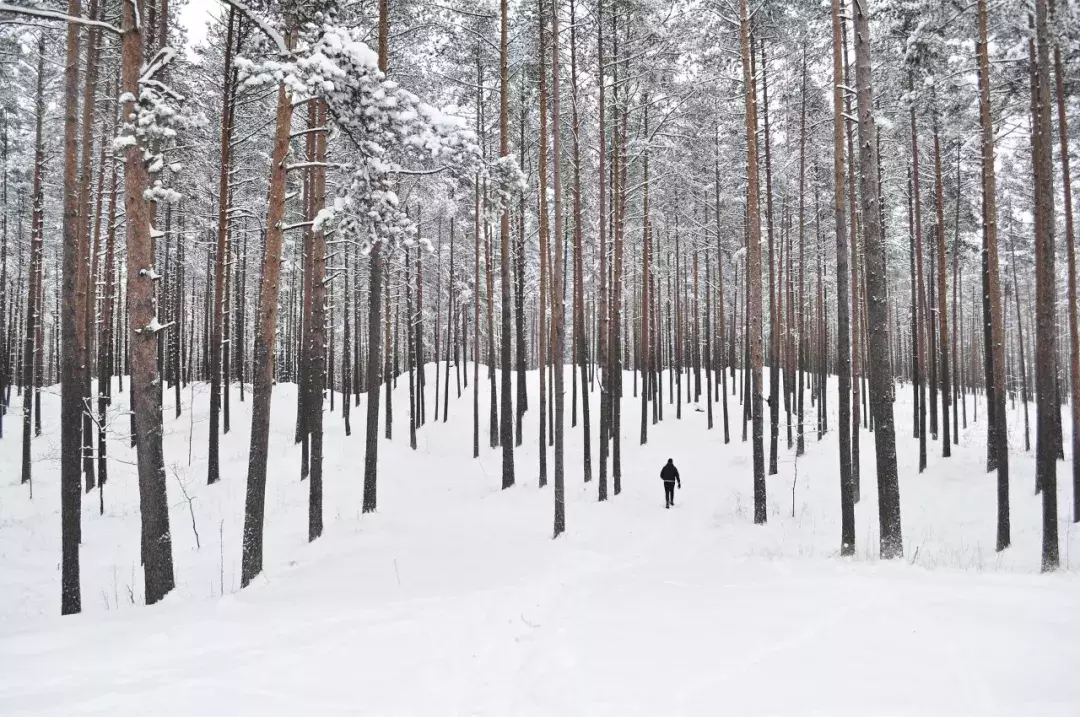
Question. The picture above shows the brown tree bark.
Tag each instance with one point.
(843, 305)
(753, 270)
(943, 297)
(145, 391)
(1048, 412)
(70, 376)
(602, 339)
(643, 359)
(374, 348)
(581, 347)
(32, 311)
(83, 293)
(558, 311)
(1070, 244)
(213, 473)
(881, 375)
(542, 328)
(925, 355)
(997, 440)
(774, 314)
(316, 341)
(854, 262)
(804, 340)
(506, 428)
(265, 337)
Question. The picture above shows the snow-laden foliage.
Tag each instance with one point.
(387, 127)
(154, 123)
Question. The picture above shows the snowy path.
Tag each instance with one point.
(453, 600)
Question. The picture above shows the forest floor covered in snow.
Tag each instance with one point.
(453, 599)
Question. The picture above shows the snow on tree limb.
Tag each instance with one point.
(264, 26)
(54, 15)
(383, 121)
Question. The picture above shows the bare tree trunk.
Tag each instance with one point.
(943, 296)
(263, 369)
(720, 298)
(843, 348)
(105, 342)
(605, 376)
(410, 348)
(506, 429)
(997, 442)
(853, 254)
(212, 455)
(925, 355)
(581, 347)
(33, 312)
(774, 315)
(644, 337)
(542, 329)
(800, 437)
(82, 289)
(619, 195)
(145, 392)
(70, 377)
(1070, 243)
(450, 339)
(519, 297)
(316, 342)
(881, 376)
(558, 273)
(1048, 412)
(1020, 354)
(753, 269)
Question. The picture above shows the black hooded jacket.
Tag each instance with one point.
(669, 473)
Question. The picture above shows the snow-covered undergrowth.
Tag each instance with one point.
(453, 599)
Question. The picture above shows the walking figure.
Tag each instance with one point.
(670, 475)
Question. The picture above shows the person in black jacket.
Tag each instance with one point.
(670, 475)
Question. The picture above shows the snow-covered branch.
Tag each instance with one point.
(54, 15)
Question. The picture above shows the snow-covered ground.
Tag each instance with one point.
(454, 600)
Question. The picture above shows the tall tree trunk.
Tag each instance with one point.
(1048, 411)
(605, 376)
(753, 269)
(70, 376)
(853, 255)
(374, 348)
(1070, 243)
(943, 297)
(33, 312)
(1020, 354)
(105, 342)
(581, 356)
(843, 348)
(925, 355)
(800, 438)
(997, 441)
(519, 296)
(316, 341)
(644, 337)
(557, 271)
(145, 392)
(542, 329)
(720, 354)
(774, 314)
(212, 456)
(506, 429)
(881, 375)
(83, 278)
(265, 338)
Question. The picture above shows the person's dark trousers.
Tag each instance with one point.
(669, 493)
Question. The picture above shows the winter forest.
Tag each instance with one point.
(320, 319)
